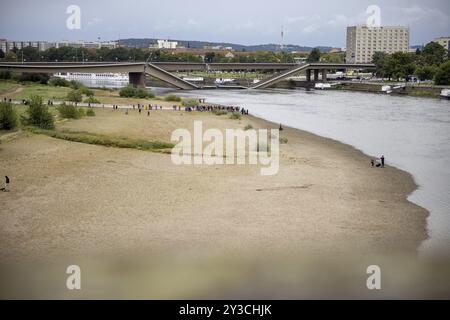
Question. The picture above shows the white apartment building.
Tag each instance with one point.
(443, 41)
(364, 41)
(164, 44)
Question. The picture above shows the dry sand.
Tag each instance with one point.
(76, 200)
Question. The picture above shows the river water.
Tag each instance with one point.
(412, 133)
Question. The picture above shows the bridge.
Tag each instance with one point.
(162, 70)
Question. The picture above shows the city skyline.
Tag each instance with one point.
(323, 23)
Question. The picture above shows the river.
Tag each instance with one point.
(412, 133)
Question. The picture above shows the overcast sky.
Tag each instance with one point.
(311, 23)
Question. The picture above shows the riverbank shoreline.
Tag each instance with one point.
(422, 91)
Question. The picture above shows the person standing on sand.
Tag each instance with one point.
(382, 161)
(6, 183)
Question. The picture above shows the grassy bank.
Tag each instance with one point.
(103, 140)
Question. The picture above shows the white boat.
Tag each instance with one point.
(223, 81)
(193, 79)
(386, 89)
(445, 93)
(105, 76)
(322, 86)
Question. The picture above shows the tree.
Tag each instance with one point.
(2, 54)
(8, 116)
(442, 76)
(38, 115)
(380, 60)
(434, 53)
(29, 54)
(74, 96)
(209, 57)
(425, 72)
(314, 55)
(10, 56)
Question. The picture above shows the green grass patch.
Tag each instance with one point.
(235, 116)
(45, 91)
(103, 140)
(172, 98)
(218, 112)
(6, 86)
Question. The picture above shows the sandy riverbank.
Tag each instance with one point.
(76, 200)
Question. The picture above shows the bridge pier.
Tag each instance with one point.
(316, 75)
(137, 79)
(308, 75)
(324, 75)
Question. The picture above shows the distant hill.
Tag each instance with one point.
(145, 42)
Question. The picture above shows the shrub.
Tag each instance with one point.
(5, 75)
(218, 112)
(235, 116)
(172, 98)
(38, 115)
(248, 127)
(69, 111)
(75, 85)
(34, 77)
(8, 116)
(15, 77)
(90, 112)
(128, 91)
(283, 140)
(143, 94)
(58, 82)
(86, 91)
(132, 92)
(74, 96)
(189, 102)
(91, 99)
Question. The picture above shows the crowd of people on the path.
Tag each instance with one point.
(200, 108)
(212, 108)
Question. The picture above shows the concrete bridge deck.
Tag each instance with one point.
(162, 70)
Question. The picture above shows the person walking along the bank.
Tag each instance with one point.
(7, 181)
(382, 161)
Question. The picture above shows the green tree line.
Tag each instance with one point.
(430, 63)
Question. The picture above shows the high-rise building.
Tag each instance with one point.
(443, 41)
(364, 41)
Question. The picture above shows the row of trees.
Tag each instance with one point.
(70, 54)
(431, 63)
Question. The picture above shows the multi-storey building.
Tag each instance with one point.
(443, 41)
(364, 41)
